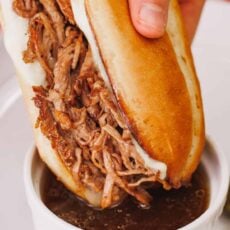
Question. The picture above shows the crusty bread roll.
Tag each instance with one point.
(154, 87)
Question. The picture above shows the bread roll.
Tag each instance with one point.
(152, 86)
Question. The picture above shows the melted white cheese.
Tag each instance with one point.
(155, 165)
(15, 39)
(80, 16)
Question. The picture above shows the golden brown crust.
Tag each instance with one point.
(176, 17)
(150, 88)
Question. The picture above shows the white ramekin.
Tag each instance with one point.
(213, 160)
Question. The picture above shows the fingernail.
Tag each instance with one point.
(152, 16)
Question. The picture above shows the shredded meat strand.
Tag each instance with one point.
(77, 164)
(107, 191)
(49, 128)
(66, 10)
(25, 8)
(36, 46)
(143, 197)
(62, 69)
(56, 18)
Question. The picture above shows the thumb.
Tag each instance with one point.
(149, 16)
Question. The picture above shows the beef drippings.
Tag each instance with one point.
(168, 209)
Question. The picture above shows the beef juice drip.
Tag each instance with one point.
(168, 210)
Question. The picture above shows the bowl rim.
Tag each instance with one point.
(210, 213)
(33, 198)
(217, 206)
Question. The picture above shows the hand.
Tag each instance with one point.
(150, 16)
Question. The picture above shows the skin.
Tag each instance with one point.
(150, 16)
(151, 21)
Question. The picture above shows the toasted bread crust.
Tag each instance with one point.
(199, 123)
(151, 88)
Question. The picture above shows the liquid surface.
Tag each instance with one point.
(169, 209)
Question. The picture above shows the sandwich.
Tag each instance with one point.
(113, 113)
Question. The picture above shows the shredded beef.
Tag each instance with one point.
(77, 113)
(66, 9)
(25, 8)
(57, 19)
(42, 44)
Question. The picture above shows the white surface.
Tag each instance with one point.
(211, 51)
(6, 70)
(214, 26)
(212, 55)
(15, 136)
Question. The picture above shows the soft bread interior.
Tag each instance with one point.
(158, 94)
(31, 75)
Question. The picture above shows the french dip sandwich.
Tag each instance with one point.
(113, 112)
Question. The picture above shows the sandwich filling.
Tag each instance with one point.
(77, 111)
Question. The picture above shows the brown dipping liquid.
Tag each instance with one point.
(169, 209)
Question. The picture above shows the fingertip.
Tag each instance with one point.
(149, 32)
(149, 17)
